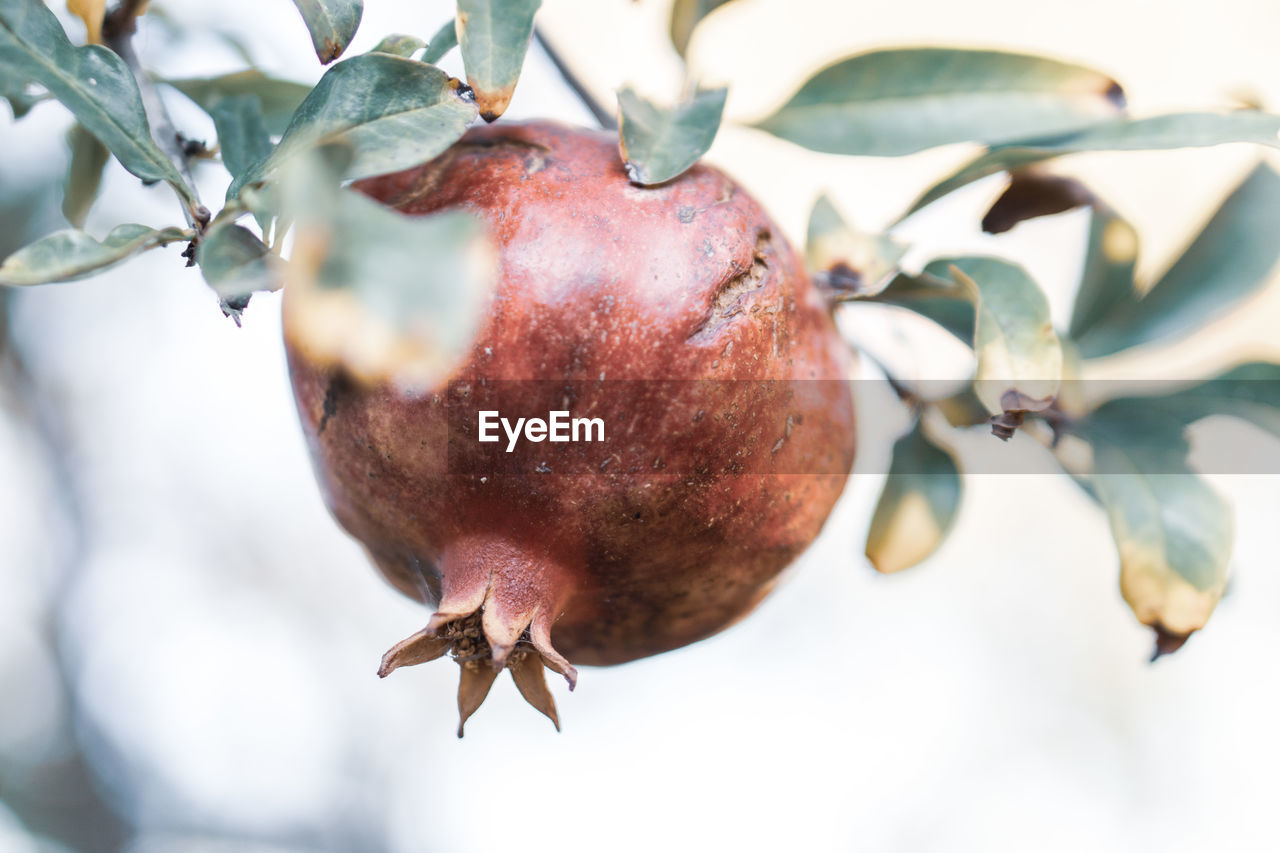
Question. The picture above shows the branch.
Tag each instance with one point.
(604, 117)
(118, 27)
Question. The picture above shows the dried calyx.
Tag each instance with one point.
(463, 637)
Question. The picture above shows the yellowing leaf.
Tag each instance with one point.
(1019, 355)
(854, 262)
(1173, 531)
(91, 12)
(494, 36)
(918, 506)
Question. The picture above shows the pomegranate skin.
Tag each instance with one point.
(662, 537)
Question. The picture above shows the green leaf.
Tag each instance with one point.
(918, 506)
(853, 262)
(893, 102)
(963, 408)
(332, 24)
(1231, 259)
(242, 132)
(13, 88)
(71, 254)
(445, 40)
(242, 137)
(1178, 130)
(494, 36)
(992, 162)
(393, 112)
(84, 174)
(236, 264)
(1173, 531)
(657, 144)
(685, 17)
(280, 98)
(1106, 282)
(92, 82)
(390, 297)
(1250, 392)
(399, 44)
(932, 295)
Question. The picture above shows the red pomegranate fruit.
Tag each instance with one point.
(676, 315)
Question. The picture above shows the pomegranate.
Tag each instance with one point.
(681, 319)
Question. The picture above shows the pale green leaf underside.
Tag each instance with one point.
(236, 263)
(894, 102)
(659, 144)
(399, 44)
(72, 254)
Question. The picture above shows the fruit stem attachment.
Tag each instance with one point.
(604, 117)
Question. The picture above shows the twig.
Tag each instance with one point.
(604, 117)
(118, 27)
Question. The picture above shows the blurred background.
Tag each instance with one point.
(188, 643)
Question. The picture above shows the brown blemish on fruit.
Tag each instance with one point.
(338, 384)
(728, 300)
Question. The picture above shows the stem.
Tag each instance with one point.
(604, 117)
(118, 28)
